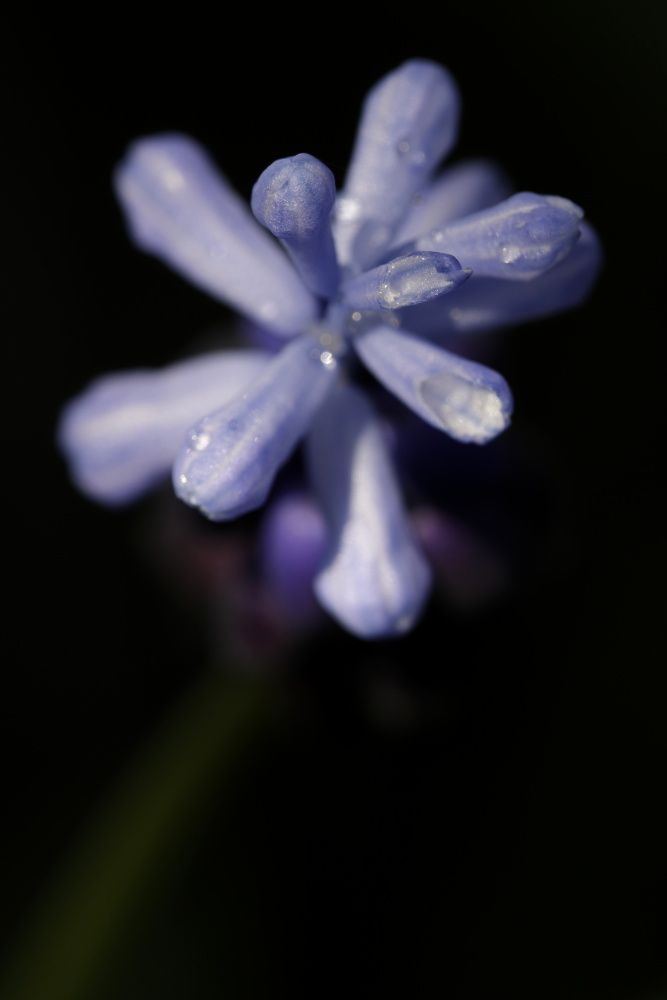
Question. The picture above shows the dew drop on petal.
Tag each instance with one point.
(201, 441)
(467, 411)
(508, 254)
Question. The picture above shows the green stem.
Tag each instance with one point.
(127, 850)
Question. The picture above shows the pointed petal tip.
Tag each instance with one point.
(408, 123)
(373, 619)
(467, 400)
(229, 459)
(471, 413)
(407, 280)
(375, 579)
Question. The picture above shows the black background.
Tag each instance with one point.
(510, 839)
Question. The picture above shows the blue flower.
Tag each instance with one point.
(382, 274)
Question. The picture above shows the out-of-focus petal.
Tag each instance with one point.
(291, 545)
(375, 580)
(405, 281)
(294, 198)
(489, 303)
(408, 123)
(518, 239)
(230, 458)
(468, 401)
(466, 188)
(180, 208)
(122, 434)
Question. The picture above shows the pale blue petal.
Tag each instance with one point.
(290, 548)
(405, 281)
(409, 122)
(294, 198)
(468, 187)
(180, 208)
(122, 434)
(489, 303)
(518, 239)
(230, 458)
(375, 581)
(468, 401)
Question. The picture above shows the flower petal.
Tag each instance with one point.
(408, 124)
(468, 401)
(230, 458)
(294, 198)
(122, 434)
(468, 187)
(405, 281)
(375, 580)
(291, 545)
(518, 239)
(180, 208)
(490, 303)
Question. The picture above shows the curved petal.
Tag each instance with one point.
(465, 188)
(180, 208)
(468, 401)
(408, 123)
(122, 434)
(405, 281)
(230, 458)
(294, 198)
(519, 239)
(490, 303)
(375, 580)
(291, 544)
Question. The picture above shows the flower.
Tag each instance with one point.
(380, 274)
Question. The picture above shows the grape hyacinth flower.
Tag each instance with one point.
(381, 274)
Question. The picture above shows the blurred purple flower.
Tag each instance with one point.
(379, 273)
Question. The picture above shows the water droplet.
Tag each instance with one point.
(404, 146)
(327, 358)
(182, 479)
(467, 411)
(201, 440)
(508, 254)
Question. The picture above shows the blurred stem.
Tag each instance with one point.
(129, 846)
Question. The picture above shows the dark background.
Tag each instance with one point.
(505, 832)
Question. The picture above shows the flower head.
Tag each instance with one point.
(379, 274)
